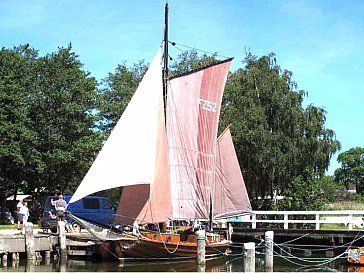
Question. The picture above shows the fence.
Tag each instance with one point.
(351, 218)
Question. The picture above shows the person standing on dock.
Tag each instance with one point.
(24, 211)
(60, 205)
(18, 214)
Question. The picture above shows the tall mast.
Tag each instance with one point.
(165, 59)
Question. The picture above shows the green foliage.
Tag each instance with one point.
(47, 120)
(61, 110)
(331, 189)
(16, 79)
(303, 193)
(118, 89)
(352, 169)
(275, 138)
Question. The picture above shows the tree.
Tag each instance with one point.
(15, 79)
(63, 108)
(275, 138)
(352, 169)
(47, 121)
(330, 188)
(303, 193)
(118, 89)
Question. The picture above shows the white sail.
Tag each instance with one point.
(129, 155)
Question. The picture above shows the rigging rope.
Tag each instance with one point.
(194, 48)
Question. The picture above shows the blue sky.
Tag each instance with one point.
(320, 41)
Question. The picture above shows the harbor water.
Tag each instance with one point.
(233, 263)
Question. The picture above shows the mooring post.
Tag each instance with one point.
(47, 257)
(201, 268)
(201, 236)
(29, 241)
(62, 238)
(4, 258)
(229, 231)
(249, 259)
(269, 235)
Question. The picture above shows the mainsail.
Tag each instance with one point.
(230, 195)
(193, 111)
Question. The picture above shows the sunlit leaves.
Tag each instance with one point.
(352, 168)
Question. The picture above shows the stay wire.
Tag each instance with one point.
(197, 49)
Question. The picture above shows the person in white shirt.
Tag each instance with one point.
(19, 215)
(25, 212)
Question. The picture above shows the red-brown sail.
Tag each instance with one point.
(193, 110)
(230, 195)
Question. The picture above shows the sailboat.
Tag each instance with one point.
(165, 154)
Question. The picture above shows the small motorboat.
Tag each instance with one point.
(355, 256)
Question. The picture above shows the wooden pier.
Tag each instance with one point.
(333, 237)
(284, 224)
(48, 245)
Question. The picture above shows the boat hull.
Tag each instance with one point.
(159, 246)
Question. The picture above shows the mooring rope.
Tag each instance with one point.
(290, 241)
(91, 229)
(355, 238)
(307, 259)
(319, 261)
(319, 249)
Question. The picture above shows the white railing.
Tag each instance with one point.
(350, 218)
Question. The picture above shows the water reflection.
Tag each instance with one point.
(224, 264)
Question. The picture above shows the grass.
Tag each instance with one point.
(345, 205)
(333, 226)
(15, 226)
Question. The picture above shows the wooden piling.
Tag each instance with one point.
(62, 238)
(29, 241)
(38, 256)
(201, 237)
(269, 235)
(201, 268)
(249, 259)
(229, 231)
(4, 258)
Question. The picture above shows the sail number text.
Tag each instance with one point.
(207, 105)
